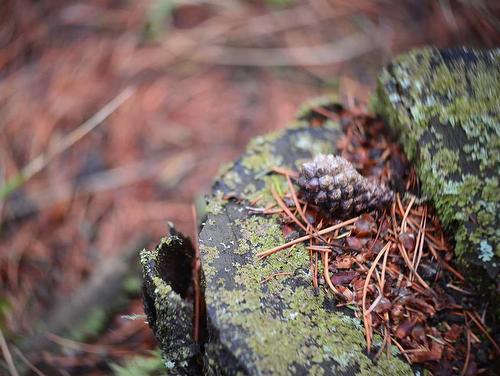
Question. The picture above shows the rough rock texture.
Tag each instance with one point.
(333, 183)
(168, 302)
(445, 106)
(263, 316)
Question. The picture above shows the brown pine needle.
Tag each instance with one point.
(410, 266)
(285, 171)
(288, 212)
(422, 240)
(467, 357)
(326, 274)
(315, 275)
(456, 288)
(444, 264)
(384, 343)
(7, 356)
(382, 278)
(306, 237)
(403, 222)
(196, 279)
(419, 243)
(402, 350)
(403, 252)
(366, 319)
(484, 330)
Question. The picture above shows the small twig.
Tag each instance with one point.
(7, 355)
(28, 363)
(42, 160)
(305, 237)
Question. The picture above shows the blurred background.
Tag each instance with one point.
(115, 115)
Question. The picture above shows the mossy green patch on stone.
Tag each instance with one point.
(313, 145)
(445, 107)
(210, 254)
(260, 156)
(216, 204)
(231, 179)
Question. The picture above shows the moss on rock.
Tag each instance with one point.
(445, 107)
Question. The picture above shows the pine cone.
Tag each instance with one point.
(332, 183)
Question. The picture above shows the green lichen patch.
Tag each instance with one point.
(445, 107)
(215, 204)
(260, 156)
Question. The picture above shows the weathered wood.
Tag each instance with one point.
(168, 302)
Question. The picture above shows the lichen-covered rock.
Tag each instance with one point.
(445, 106)
(263, 316)
(168, 302)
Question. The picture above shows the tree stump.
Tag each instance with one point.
(263, 317)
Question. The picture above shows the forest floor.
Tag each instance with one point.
(202, 78)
